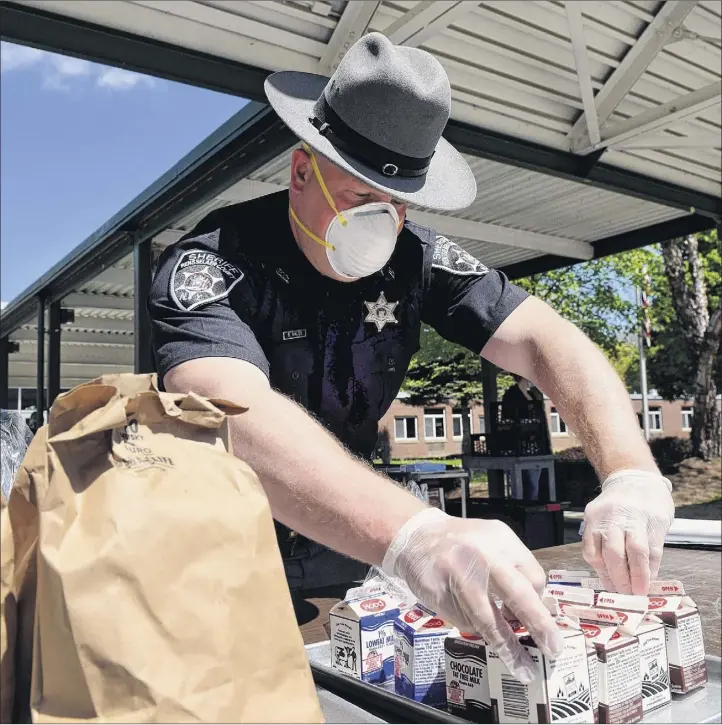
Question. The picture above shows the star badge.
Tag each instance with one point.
(381, 312)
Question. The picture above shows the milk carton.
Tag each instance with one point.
(566, 578)
(561, 691)
(362, 635)
(467, 680)
(649, 631)
(683, 634)
(570, 594)
(419, 661)
(594, 584)
(619, 675)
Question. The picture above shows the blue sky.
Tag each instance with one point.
(78, 142)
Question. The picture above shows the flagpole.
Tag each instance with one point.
(644, 340)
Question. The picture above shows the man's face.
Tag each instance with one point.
(314, 211)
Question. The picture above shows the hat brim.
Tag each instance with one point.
(448, 185)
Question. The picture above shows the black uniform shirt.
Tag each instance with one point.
(239, 286)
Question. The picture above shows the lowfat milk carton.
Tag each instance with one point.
(683, 634)
(566, 577)
(561, 692)
(619, 675)
(467, 680)
(362, 635)
(419, 661)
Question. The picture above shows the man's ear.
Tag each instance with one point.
(301, 169)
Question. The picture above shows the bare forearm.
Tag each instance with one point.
(534, 341)
(592, 400)
(313, 485)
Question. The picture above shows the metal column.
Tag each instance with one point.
(4, 371)
(40, 380)
(143, 274)
(489, 372)
(54, 321)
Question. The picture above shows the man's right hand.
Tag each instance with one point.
(456, 567)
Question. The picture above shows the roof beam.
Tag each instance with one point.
(657, 119)
(668, 141)
(426, 18)
(77, 337)
(453, 227)
(495, 234)
(98, 302)
(670, 17)
(581, 63)
(351, 26)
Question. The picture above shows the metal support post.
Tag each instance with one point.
(40, 378)
(54, 321)
(4, 371)
(489, 372)
(143, 273)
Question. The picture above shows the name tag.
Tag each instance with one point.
(294, 334)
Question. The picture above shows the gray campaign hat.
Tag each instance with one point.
(380, 117)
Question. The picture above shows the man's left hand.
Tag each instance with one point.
(625, 527)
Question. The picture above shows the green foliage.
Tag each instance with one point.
(442, 372)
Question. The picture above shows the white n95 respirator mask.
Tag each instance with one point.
(358, 241)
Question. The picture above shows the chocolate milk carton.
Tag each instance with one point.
(467, 680)
(419, 660)
(566, 577)
(561, 691)
(362, 635)
(683, 634)
(649, 631)
(619, 677)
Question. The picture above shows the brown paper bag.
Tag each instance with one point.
(161, 595)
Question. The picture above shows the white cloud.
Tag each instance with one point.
(18, 56)
(61, 72)
(122, 80)
(3, 305)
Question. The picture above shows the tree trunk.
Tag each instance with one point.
(703, 333)
(706, 433)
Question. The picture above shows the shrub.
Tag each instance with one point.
(571, 454)
(670, 451)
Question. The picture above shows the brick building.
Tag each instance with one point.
(436, 432)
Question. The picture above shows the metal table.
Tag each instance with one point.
(514, 465)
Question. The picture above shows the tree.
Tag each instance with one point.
(442, 372)
(699, 317)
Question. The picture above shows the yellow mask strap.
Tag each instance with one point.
(321, 182)
(307, 231)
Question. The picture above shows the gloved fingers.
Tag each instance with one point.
(592, 551)
(655, 558)
(501, 639)
(533, 572)
(521, 597)
(614, 553)
(638, 557)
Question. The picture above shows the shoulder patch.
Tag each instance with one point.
(201, 277)
(451, 257)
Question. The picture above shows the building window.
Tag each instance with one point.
(13, 398)
(686, 418)
(405, 429)
(655, 419)
(559, 427)
(434, 424)
(457, 428)
(482, 424)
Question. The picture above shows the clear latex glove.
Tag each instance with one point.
(624, 529)
(456, 567)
